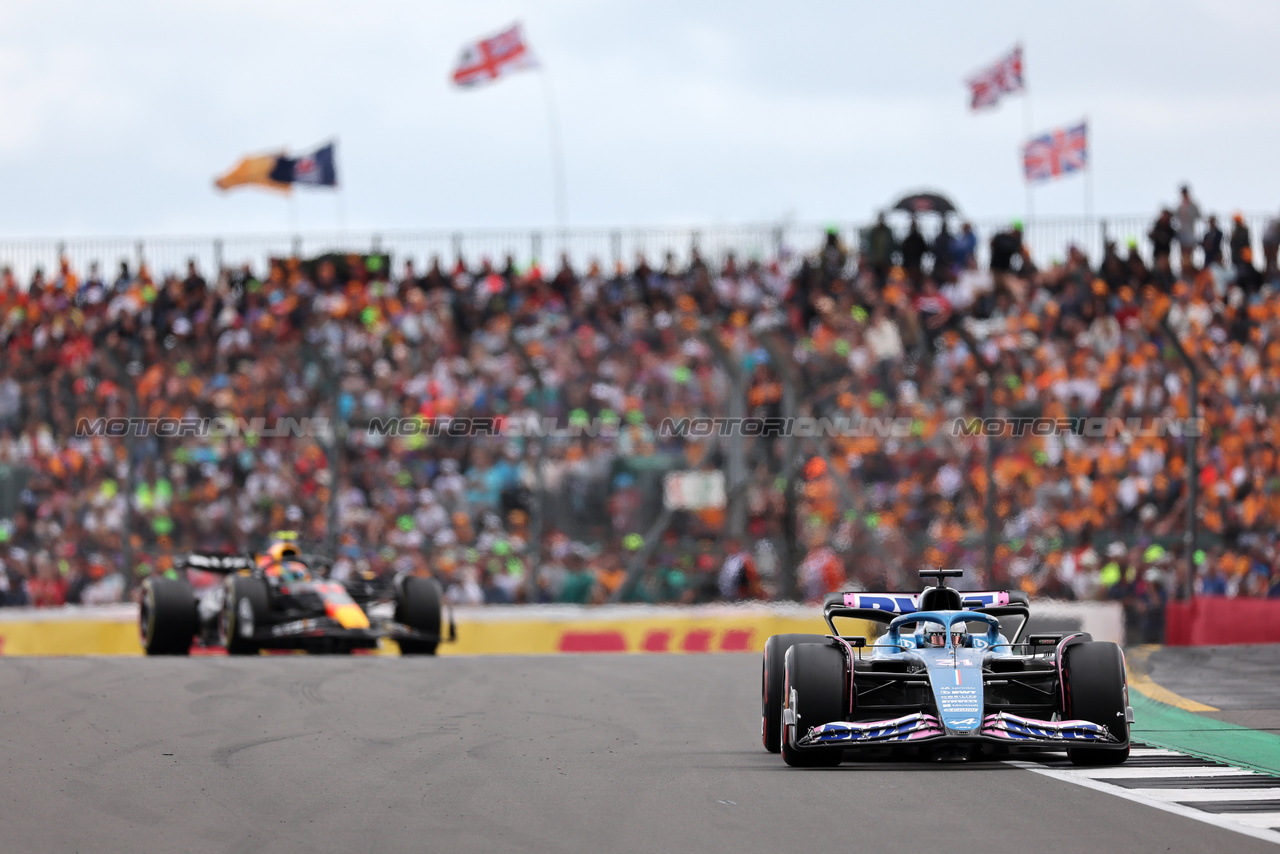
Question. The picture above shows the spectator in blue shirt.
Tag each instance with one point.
(963, 246)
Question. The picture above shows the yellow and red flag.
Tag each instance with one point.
(253, 172)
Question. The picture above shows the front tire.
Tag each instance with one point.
(1094, 673)
(244, 612)
(771, 687)
(418, 607)
(167, 617)
(814, 682)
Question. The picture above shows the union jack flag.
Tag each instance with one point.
(1003, 78)
(1056, 153)
(491, 58)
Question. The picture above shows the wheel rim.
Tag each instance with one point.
(244, 618)
(226, 624)
(147, 619)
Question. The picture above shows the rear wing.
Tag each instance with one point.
(225, 564)
(883, 607)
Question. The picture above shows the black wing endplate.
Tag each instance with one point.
(218, 563)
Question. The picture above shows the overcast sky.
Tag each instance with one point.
(115, 117)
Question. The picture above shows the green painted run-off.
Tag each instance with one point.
(1160, 725)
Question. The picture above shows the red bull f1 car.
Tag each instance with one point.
(942, 680)
(280, 600)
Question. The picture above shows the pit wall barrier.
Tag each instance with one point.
(1213, 620)
(537, 629)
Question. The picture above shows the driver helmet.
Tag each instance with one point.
(278, 551)
(935, 634)
(286, 570)
(293, 570)
(278, 562)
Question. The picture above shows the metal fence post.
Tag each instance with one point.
(635, 569)
(217, 257)
(128, 382)
(539, 475)
(333, 367)
(789, 551)
(615, 246)
(737, 473)
(991, 534)
(1193, 462)
(535, 246)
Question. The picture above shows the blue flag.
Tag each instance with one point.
(316, 169)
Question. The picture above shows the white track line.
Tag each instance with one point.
(1259, 819)
(1226, 822)
(1211, 794)
(1119, 772)
(1143, 752)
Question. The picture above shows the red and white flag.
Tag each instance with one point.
(1056, 153)
(491, 58)
(1003, 78)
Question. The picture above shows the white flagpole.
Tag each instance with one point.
(557, 159)
(1088, 177)
(1026, 136)
(293, 213)
(339, 192)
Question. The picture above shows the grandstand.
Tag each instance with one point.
(627, 334)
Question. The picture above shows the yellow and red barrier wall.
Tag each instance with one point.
(499, 630)
(1212, 620)
(533, 630)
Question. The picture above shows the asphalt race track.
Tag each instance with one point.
(593, 753)
(1242, 682)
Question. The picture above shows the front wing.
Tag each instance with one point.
(1000, 727)
(314, 628)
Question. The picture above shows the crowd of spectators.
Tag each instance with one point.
(905, 328)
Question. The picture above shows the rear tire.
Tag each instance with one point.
(418, 607)
(1094, 673)
(167, 617)
(815, 677)
(243, 612)
(771, 688)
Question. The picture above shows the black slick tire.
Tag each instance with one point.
(418, 603)
(771, 689)
(1095, 691)
(814, 681)
(167, 616)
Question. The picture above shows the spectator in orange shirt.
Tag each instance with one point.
(48, 589)
(821, 572)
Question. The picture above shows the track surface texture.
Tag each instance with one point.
(559, 753)
(1242, 682)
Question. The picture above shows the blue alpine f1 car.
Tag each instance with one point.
(942, 680)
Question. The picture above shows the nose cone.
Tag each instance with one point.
(957, 690)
